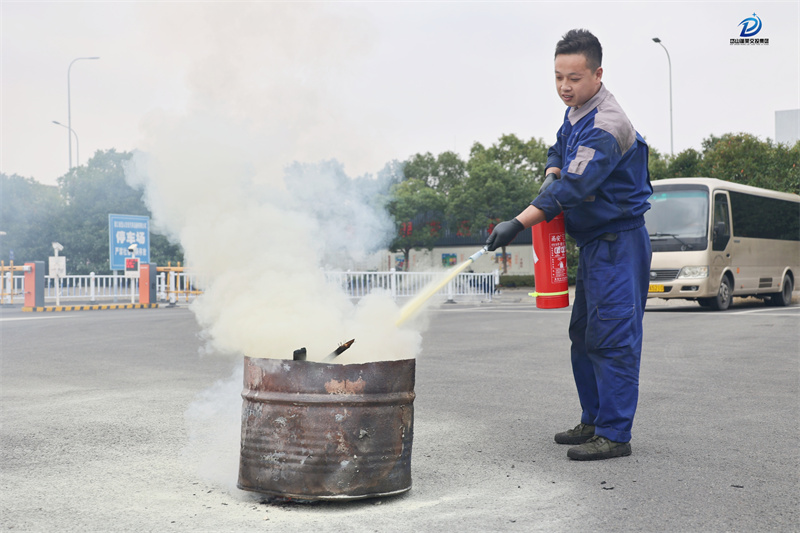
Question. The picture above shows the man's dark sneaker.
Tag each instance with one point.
(599, 448)
(578, 435)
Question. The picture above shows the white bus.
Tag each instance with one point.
(713, 240)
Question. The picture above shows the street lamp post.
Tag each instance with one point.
(669, 62)
(69, 107)
(77, 144)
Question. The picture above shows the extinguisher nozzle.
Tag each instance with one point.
(479, 253)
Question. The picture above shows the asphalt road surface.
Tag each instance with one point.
(112, 421)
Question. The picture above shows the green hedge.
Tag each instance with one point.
(516, 281)
(528, 280)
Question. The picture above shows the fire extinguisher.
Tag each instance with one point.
(550, 261)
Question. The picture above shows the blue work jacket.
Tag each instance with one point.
(605, 183)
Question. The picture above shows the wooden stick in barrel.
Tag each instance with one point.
(342, 347)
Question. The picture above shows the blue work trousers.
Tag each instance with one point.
(606, 330)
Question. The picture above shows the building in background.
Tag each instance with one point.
(787, 126)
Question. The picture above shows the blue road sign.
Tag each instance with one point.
(123, 232)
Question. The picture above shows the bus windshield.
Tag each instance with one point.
(678, 219)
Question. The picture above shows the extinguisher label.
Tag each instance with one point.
(558, 258)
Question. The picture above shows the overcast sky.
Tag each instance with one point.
(367, 83)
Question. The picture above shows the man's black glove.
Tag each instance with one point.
(548, 180)
(503, 234)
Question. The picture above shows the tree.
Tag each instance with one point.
(526, 159)
(422, 167)
(737, 157)
(658, 165)
(785, 168)
(441, 173)
(743, 158)
(452, 170)
(498, 186)
(90, 193)
(417, 210)
(28, 211)
(501, 180)
(687, 164)
(417, 202)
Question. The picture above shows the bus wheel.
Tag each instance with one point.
(724, 296)
(783, 298)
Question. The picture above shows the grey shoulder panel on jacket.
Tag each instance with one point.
(611, 118)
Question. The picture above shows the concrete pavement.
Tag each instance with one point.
(112, 421)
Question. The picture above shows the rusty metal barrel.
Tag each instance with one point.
(316, 431)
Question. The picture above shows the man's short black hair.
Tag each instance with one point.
(582, 42)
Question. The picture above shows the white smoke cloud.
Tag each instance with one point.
(283, 72)
(246, 180)
(237, 180)
(260, 245)
(213, 426)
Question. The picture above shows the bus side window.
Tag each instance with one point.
(722, 224)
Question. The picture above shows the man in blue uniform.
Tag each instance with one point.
(603, 191)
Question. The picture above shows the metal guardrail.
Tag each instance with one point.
(90, 287)
(174, 284)
(9, 288)
(407, 284)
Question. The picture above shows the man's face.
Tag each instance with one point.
(576, 83)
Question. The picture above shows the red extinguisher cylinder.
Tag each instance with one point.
(550, 264)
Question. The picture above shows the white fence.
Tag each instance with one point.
(407, 284)
(91, 288)
(182, 286)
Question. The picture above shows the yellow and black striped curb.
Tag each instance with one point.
(100, 307)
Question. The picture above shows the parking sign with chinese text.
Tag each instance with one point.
(123, 232)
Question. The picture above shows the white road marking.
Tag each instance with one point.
(11, 319)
